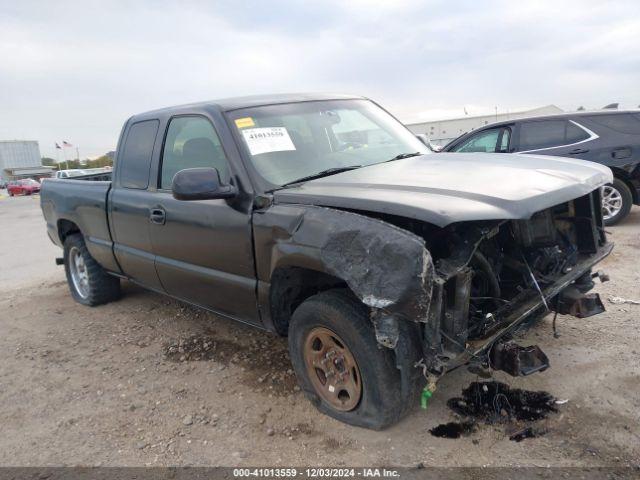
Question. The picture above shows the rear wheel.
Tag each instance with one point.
(616, 202)
(89, 283)
(339, 364)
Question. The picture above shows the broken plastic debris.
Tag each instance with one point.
(621, 301)
(562, 402)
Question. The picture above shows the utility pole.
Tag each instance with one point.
(64, 157)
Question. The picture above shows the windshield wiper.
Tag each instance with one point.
(323, 173)
(400, 156)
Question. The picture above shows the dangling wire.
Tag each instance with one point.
(535, 282)
(555, 316)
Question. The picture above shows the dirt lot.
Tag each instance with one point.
(94, 386)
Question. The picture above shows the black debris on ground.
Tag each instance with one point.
(491, 402)
(497, 403)
(453, 429)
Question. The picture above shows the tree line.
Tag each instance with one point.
(103, 161)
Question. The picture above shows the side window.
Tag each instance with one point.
(542, 134)
(191, 142)
(136, 156)
(575, 133)
(485, 141)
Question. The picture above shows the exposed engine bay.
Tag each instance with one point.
(493, 277)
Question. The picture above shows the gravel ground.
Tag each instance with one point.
(150, 381)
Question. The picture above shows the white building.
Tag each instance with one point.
(441, 132)
(21, 159)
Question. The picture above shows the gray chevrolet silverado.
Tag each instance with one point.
(322, 218)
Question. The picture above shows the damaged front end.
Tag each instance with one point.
(447, 296)
(491, 279)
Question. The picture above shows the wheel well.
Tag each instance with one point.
(66, 228)
(624, 176)
(290, 286)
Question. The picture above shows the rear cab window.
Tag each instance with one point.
(135, 161)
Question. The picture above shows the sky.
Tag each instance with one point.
(76, 70)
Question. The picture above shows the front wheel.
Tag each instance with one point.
(339, 364)
(89, 283)
(616, 202)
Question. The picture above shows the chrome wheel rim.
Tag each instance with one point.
(332, 369)
(79, 274)
(611, 202)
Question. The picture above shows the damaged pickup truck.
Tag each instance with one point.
(322, 218)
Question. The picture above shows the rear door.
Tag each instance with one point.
(130, 204)
(203, 248)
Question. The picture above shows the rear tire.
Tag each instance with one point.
(380, 401)
(88, 282)
(616, 201)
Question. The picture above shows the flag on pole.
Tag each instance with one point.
(58, 146)
(66, 144)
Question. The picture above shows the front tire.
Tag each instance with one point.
(339, 364)
(88, 282)
(616, 202)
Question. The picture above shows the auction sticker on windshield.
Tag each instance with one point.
(265, 140)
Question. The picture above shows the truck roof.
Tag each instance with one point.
(235, 103)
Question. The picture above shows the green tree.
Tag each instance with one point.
(49, 162)
(102, 161)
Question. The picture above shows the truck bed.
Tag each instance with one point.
(70, 206)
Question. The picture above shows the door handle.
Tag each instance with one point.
(158, 216)
(577, 151)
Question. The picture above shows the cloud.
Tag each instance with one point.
(77, 70)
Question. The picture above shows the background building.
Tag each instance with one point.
(441, 132)
(21, 159)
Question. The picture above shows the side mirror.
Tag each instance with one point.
(200, 184)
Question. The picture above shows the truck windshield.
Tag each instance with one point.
(298, 140)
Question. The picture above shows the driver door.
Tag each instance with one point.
(203, 249)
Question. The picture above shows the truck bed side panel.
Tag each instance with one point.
(85, 205)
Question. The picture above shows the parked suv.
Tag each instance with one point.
(609, 138)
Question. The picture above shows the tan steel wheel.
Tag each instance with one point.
(332, 369)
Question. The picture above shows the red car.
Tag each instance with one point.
(24, 187)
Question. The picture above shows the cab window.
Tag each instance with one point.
(136, 156)
(191, 142)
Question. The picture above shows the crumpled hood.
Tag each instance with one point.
(445, 188)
